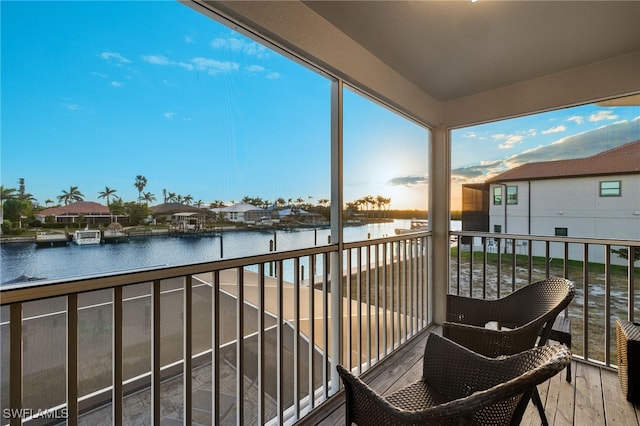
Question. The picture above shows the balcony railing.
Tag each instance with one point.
(606, 283)
(255, 336)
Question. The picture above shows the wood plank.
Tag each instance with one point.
(618, 411)
(589, 408)
(565, 408)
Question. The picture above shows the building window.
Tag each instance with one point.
(512, 195)
(561, 232)
(497, 229)
(610, 188)
(497, 195)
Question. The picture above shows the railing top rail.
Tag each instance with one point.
(571, 240)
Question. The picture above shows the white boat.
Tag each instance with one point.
(417, 225)
(87, 236)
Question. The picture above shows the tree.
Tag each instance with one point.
(71, 196)
(107, 193)
(624, 253)
(148, 197)
(6, 194)
(140, 184)
(199, 204)
(164, 195)
(216, 204)
(187, 199)
(14, 210)
(22, 191)
(171, 197)
(47, 202)
(137, 212)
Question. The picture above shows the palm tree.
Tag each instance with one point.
(199, 204)
(148, 197)
(188, 199)
(140, 183)
(171, 197)
(6, 194)
(47, 202)
(73, 195)
(107, 193)
(164, 195)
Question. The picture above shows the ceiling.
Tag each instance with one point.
(453, 49)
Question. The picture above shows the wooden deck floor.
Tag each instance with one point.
(593, 397)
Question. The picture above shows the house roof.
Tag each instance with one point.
(81, 207)
(240, 207)
(624, 159)
(172, 208)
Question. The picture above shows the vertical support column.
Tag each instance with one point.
(439, 207)
(336, 229)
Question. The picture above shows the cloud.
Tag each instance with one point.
(72, 107)
(602, 115)
(557, 129)
(117, 84)
(273, 75)
(169, 115)
(254, 68)
(156, 59)
(509, 140)
(188, 39)
(98, 74)
(576, 119)
(581, 145)
(239, 45)
(213, 67)
(114, 57)
(407, 181)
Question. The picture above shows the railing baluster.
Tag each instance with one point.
(359, 306)
(187, 351)
(530, 261)
(15, 362)
(484, 267)
(155, 353)
(499, 267)
(585, 304)
(392, 278)
(385, 306)
(72, 359)
(296, 336)
(368, 297)
(117, 394)
(513, 265)
(325, 325)
(547, 266)
(312, 337)
(261, 353)
(280, 355)
(349, 308)
(376, 280)
(471, 258)
(240, 344)
(215, 348)
(607, 305)
(631, 286)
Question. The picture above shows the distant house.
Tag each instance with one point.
(92, 213)
(299, 216)
(245, 213)
(593, 197)
(189, 217)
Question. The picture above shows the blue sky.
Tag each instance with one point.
(95, 93)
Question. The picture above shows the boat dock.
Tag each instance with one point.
(44, 239)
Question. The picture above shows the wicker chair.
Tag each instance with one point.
(524, 318)
(458, 386)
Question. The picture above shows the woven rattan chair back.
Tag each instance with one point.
(458, 387)
(523, 318)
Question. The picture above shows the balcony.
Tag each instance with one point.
(116, 347)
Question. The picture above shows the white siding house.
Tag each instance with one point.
(594, 197)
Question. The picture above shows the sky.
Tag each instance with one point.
(95, 93)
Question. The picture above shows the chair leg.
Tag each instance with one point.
(538, 402)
